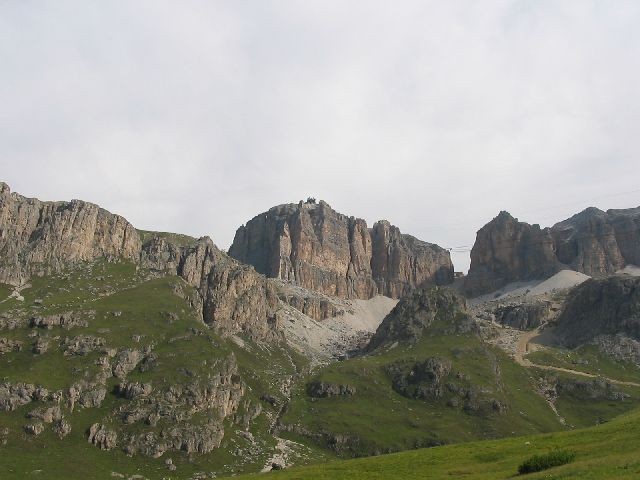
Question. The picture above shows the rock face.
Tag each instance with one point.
(235, 298)
(599, 243)
(422, 380)
(507, 250)
(416, 312)
(319, 249)
(523, 316)
(324, 389)
(40, 237)
(601, 307)
(592, 242)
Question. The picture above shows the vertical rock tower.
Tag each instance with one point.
(317, 248)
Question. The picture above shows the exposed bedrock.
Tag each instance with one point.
(39, 238)
(317, 248)
(593, 242)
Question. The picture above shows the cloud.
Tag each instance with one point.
(195, 116)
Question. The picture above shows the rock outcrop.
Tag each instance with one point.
(38, 238)
(593, 242)
(235, 298)
(417, 312)
(598, 307)
(325, 389)
(423, 379)
(599, 243)
(313, 246)
(507, 250)
(41, 237)
(523, 316)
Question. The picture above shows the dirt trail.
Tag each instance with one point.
(523, 348)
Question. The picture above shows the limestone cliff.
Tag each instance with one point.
(41, 237)
(593, 242)
(235, 298)
(38, 238)
(596, 242)
(320, 249)
(507, 250)
(609, 306)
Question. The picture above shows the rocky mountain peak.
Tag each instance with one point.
(313, 246)
(592, 242)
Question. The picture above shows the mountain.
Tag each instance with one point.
(593, 242)
(42, 238)
(137, 354)
(313, 246)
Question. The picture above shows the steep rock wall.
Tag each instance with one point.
(320, 249)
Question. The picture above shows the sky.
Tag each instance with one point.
(195, 116)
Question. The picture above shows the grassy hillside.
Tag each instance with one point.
(124, 308)
(603, 452)
(485, 395)
(588, 359)
(363, 406)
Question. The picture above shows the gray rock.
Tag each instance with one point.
(102, 437)
(126, 361)
(319, 249)
(34, 429)
(92, 397)
(13, 396)
(62, 428)
(326, 389)
(597, 307)
(593, 242)
(424, 379)
(133, 390)
(8, 345)
(82, 344)
(523, 316)
(43, 237)
(47, 415)
(65, 320)
(415, 313)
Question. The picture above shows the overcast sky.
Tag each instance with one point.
(195, 116)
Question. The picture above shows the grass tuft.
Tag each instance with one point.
(537, 463)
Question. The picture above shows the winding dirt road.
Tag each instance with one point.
(522, 348)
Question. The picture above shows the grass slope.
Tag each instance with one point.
(128, 309)
(380, 420)
(587, 359)
(608, 451)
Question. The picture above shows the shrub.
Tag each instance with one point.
(538, 463)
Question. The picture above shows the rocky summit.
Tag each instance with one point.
(313, 246)
(593, 242)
